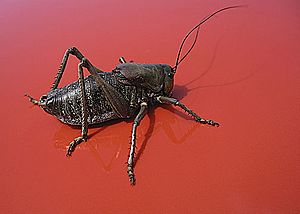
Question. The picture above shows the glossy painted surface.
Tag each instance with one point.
(244, 73)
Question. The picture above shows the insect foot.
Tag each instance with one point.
(73, 145)
(208, 122)
(131, 174)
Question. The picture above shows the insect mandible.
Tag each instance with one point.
(125, 92)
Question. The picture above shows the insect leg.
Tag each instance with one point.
(122, 60)
(115, 99)
(74, 51)
(84, 113)
(130, 163)
(170, 100)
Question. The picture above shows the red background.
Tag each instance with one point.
(244, 73)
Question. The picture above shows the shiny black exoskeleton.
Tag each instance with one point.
(125, 92)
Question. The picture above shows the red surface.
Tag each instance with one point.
(244, 73)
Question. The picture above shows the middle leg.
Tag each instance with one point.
(130, 162)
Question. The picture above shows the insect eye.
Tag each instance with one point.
(171, 75)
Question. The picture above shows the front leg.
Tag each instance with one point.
(170, 100)
(130, 163)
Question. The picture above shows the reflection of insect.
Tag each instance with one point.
(125, 92)
(106, 148)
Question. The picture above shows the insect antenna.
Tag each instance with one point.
(178, 60)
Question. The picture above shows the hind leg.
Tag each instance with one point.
(74, 51)
(84, 113)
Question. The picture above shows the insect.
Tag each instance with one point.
(125, 92)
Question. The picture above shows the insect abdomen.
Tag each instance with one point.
(65, 103)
